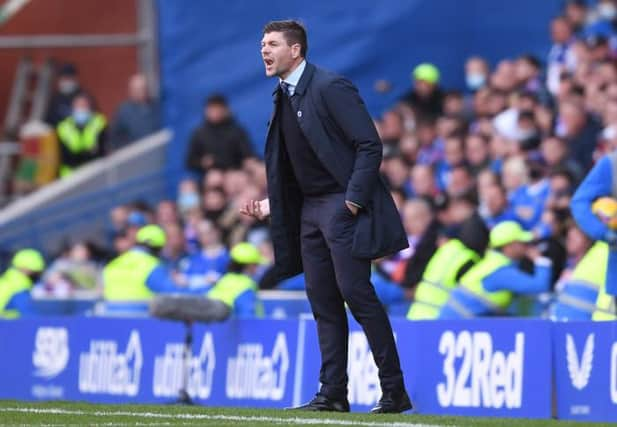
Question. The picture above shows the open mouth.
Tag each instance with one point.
(268, 61)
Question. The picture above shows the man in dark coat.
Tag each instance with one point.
(330, 211)
(220, 142)
(67, 87)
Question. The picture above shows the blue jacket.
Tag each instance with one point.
(134, 121)
(597, 183)
(21, 302)
(528, 203)
(340, 130)
(508, 277)
(506, 215)
(203, 270)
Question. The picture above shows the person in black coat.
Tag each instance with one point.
(220, 142)
(67, 87)
(331, 212)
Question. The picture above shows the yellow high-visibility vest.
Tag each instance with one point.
(471, 285)
(78, 140)
(124, 277)
(439, 279)
(230, 287)
(12, 282)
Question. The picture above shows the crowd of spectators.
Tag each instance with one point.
(511, 146)
(79, 132)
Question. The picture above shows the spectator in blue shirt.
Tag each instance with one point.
(598, 183)
(477, 153)
(529, 200)
(577, 14)
(236, 288)
(487, 288)
(422, 182)
(580, 130)
(561, 57)
(496, 207)
(454, 155)
(175, 254)
(554, 154)
(136, 117)
(206, 267)
(431, 147)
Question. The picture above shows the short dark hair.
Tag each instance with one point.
(563, 171)
(216, 99)
(293, 31)
(531, 60)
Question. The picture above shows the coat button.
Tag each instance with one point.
(299, 113)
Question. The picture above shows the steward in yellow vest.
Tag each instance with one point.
(138, 274)
(81, 135)
(448, 264)
(236, 288)
(487, 288)
(440, 277)
(16, 283)
(577, 298)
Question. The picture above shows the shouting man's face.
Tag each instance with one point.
(278, 56)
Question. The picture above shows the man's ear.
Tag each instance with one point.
(295, 50)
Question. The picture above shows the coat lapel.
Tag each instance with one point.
(305, 79)
(275, 100)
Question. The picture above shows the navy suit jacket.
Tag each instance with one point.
(340, 130)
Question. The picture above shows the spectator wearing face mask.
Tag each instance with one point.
(476, 73)
(67, 86)
(82, 135)
(188, 196)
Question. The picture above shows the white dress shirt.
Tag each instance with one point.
(293, 79)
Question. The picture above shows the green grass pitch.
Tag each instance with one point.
(85, 414)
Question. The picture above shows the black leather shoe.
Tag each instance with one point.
(393, 403)
(323, 403)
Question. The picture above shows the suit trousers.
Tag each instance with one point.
(334, 277)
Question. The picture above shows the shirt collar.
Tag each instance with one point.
(295, 75)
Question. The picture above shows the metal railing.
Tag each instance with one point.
(79, 205)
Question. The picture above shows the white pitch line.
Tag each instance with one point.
(197, 416)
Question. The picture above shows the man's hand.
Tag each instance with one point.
(537, 257)
(259, 209)
(533, 253)
(353, 208)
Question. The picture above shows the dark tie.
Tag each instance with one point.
(285, 87)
